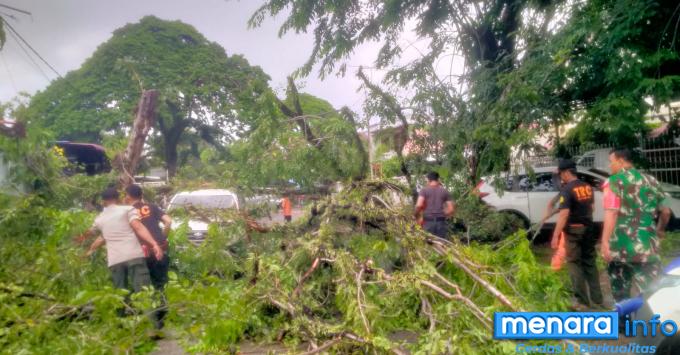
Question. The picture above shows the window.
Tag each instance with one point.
(204, 201)
(541, 182)
(591, 180)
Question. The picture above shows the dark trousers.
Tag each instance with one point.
(630, 279)
(581, 263)
(131, 275)
(288, 218)
(437, 227)
(158, 269)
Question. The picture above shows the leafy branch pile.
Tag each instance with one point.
(354, 275)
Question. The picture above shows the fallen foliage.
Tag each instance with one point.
(355, 274)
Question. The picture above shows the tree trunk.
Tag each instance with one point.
(144, 121)
(171, 141)
(171, 158)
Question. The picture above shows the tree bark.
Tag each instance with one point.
(144, 121)
(171, 135)
(170, 142)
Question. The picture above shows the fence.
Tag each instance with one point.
(659, 157)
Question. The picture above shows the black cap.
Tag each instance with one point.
(134, 191)
(110, 194)
(566, 164)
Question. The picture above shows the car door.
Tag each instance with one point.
(541, 190)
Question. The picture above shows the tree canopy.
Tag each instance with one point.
(530, 66)
(201, 88)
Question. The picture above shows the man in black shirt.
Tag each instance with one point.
(152, 216)
(576, 221)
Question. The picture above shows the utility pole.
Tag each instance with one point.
(370, 146)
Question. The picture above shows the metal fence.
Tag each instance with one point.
(662, 159)
(659, 157)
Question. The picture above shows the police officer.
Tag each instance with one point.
(575, 219)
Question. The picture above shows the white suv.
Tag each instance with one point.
(211, 201)
(527, 196)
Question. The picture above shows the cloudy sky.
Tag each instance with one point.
(67, 32)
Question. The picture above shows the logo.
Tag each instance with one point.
(556, 325)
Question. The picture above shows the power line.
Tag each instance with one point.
(30, 57)
(15, 9)
(11, 78)
(32, 49)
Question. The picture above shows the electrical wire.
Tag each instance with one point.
(32, 49)
(15, 9)
(9, 73)
(30, 57)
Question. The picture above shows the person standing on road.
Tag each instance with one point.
(121, 229)
(630, 236)
(287, 207)
(575, 219)
(435, 204)
(152, 217)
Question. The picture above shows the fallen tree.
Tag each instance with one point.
(356, 272)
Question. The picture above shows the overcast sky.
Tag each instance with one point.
(67, 32)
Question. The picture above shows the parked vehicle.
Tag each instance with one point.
(527, 195)
(211, 200)
(595, 159)
(85, 158)
(149, 181)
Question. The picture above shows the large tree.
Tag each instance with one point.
(530, 65)
(202, 89)
(459, 109)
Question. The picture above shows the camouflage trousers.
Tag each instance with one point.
(627, 278)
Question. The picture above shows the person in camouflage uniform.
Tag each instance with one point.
(630, 235)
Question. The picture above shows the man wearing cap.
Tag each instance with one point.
(436, 206)
(152, 217)
(575, 219)
(630, 234)
(121, 230)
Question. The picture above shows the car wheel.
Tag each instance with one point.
(514, 221)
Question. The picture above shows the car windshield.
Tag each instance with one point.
(204, 201)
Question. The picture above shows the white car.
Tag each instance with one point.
(209, 200)
(527, 198)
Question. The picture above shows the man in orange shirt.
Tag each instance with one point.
(287, 207)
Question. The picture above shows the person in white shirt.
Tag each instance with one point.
(121, 229)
